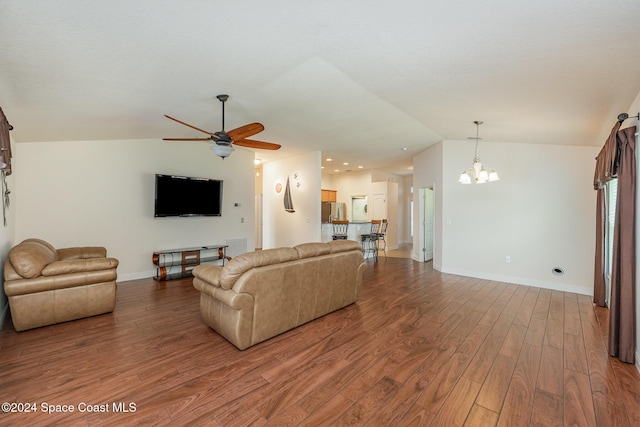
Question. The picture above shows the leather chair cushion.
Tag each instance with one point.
(78, 266)
(82, 252)
(30, 257)
(42, 242)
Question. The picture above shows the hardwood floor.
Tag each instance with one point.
(419, 348)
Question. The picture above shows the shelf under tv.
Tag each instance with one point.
(178, 263)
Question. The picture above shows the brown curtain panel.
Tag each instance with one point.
(622, 315)
(5, 143)
(607, 159)
(606, 166)
(599, 284)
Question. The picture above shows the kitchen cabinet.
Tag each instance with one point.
(329, 195)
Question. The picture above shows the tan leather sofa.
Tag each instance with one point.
(261, 294)
(47, 286)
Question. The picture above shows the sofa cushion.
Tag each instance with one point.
(344, 246)
(244, 262)
(30, 257)
(308, 250)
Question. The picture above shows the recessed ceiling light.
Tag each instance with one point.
(336, 170)
(346, 163)
(328, 160)
(321, 167)
(404, 148)
(360, 167)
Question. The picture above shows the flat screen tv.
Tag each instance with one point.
(187, 196)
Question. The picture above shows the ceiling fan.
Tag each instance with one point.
(224, 140)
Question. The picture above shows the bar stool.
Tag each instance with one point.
(340, 229)
(381, 236)
(369, 240)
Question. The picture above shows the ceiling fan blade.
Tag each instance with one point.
(251, 143)
(244, 131)
(192, 127)
(186, 139)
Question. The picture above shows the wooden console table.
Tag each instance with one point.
(178, 263)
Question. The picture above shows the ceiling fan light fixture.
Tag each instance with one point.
(223, 140)
(222, 150)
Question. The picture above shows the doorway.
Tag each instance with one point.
(359, 210)
(426, 216)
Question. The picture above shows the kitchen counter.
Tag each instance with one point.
(355, 230)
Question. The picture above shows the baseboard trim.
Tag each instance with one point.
(520, 281)
(136, 276)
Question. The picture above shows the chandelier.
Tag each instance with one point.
(477, 172)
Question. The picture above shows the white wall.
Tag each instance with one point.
(541, 214)
(350, 184)
(327, 182)
(102, 193)
(283, 228)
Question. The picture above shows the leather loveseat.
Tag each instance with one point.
(47, 286)
(258, 295)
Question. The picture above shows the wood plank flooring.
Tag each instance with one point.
(419, 348)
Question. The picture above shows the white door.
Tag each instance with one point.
(428, 211)
(379, 206)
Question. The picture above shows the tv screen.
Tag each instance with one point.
(187, 196)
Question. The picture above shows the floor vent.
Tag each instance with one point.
(236, 246)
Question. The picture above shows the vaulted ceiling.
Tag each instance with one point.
(356, 79)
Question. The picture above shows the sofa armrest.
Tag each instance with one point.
(79, 265)
(237, 301)
(82, 253)
(208, 273)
